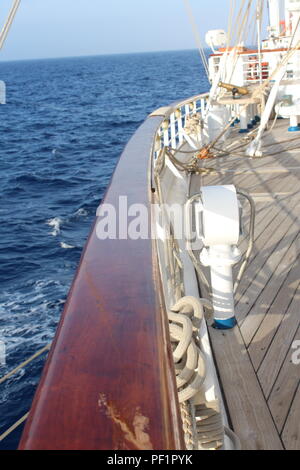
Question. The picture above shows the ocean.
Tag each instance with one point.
(62, 131)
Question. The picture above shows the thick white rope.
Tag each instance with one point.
(190, 367)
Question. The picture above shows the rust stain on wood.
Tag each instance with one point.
(139, 436)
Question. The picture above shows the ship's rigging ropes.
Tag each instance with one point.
(14, 427)
(197, 36)
(257, 93)
(8, 23)
(239, 36)
(262, 88)
(9, 375)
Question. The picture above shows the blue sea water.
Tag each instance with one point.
(62, 131)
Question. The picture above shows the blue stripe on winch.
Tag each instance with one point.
(225, 324)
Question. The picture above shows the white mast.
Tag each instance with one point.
(274, 18)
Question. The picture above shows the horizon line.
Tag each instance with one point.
(97, 55)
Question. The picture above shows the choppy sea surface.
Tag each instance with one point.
(62, 131)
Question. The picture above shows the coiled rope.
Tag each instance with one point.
(190, 367)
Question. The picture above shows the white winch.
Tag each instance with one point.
(219, 229)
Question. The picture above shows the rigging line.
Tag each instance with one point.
(230, 24)
(258, 91)
(243, 25)
(252, 27)
(13, 427)
(25, 363)
(230, 21)
(8, 23)
(197, 36)
(241, 14)
(242, 28)
(248, 23)
(235, 52)
(232, 37)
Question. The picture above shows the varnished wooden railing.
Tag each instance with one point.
(109, 381)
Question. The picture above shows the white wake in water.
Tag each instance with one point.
(55, 223)
(66, 246)
(81, 213)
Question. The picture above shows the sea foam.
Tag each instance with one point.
(55, 223)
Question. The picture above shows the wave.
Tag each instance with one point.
(56, 166)
(30, 180)
(56, 152)
(65, 246)
(81, 212)
(56, 224)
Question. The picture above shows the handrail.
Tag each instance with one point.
(109, 380)
(168, 110)
(172, 130)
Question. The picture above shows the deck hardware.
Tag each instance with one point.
(219, 229)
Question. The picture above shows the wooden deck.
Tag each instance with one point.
(260, 382)
(255, 361)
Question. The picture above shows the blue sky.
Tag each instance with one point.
(61, 28)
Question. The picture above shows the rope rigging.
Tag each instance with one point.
(9, 375)
(196, 36)
(8, 23)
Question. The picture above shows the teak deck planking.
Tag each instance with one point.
(260, 381)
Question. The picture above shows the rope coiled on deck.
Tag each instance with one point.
(185, 320)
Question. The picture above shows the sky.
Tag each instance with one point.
(67, 28)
